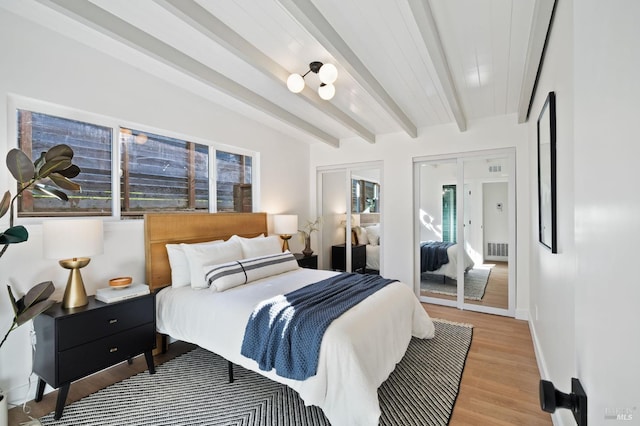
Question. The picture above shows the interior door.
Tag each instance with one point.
(478, 272)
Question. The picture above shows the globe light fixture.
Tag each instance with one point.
(326, 91)
(295, 83)
(327, 73)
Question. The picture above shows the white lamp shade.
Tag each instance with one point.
(285, 224)
(295, 83)
(328, 73)
(68, 239)
(327, 91)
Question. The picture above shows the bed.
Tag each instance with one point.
(370, 235)
(358, 351)
(449, 269)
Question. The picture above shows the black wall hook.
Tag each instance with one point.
(576, 401)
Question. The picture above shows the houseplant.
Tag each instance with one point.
(306, 231)
(52, 170)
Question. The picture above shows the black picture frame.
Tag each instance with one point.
(547, 207)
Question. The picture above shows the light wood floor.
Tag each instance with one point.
(497, 292)
(499, 385)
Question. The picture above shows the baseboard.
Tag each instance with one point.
(542, 368)
(522, 314)
(25, 392)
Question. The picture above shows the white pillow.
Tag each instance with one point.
(373, 234)
(361, 233)
(256, 247)
(198, 256)
(232, 274)
(180, 272)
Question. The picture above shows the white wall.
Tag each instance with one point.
(397, 151)
(43, 65)
(606, 152)
(553, 276)
(586, 295)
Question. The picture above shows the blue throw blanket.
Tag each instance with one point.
(285, 332)
(433, 254)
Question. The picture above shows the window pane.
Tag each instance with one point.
(159, 173)
(449, 221)
(91, 145)
(233, 182)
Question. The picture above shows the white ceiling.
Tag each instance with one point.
(402, 64)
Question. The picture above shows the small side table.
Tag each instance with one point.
(358, 257)
(73, 343)
(309, 262)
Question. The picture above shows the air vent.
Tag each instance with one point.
(498, 249)
(495, 169)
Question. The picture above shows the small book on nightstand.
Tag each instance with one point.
(110, 295)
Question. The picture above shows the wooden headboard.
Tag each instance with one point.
(172, 228)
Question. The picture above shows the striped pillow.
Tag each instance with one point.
(232, 274)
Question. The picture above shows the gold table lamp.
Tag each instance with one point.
(73, 241)
(285, 225)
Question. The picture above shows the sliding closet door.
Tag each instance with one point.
(333, 207)
(485, 247)
(350, 204)
(437, 223)
(466, 205)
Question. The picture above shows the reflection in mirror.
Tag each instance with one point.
(438, 218)
(486, 231)
(365, 195)
(469, 246)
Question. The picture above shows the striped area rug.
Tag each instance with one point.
(192, 389)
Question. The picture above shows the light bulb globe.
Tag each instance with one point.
(328, 73)
(327, 91)
(295, 83)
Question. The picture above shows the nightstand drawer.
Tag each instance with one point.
(94, 324)
(86, 359)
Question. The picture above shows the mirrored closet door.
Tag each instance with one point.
(465, 231)
(349, 202)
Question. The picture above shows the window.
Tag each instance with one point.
(155, 172)
(92, 153)
(449, 232)
(233, 182)
(159, 173)
(364, 196)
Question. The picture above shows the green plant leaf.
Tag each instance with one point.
(40, 161)
(5, 204)
(14, 304)
(61, 150)
(54, 165)
(20, 166)
(33, 311)
(14, 235)
(38, 293)
(50, 192)
(70, 172)
(63, 182)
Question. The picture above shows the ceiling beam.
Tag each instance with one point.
(315, 23)
(429, 30)
(540, 27)
(116, 28)
(213, 28)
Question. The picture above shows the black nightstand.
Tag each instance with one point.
(358, 257)
(73, 343)
(309, 262)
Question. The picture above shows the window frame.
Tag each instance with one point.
(16, 102)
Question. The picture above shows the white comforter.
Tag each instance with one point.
(451, 269)
(358, 352)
